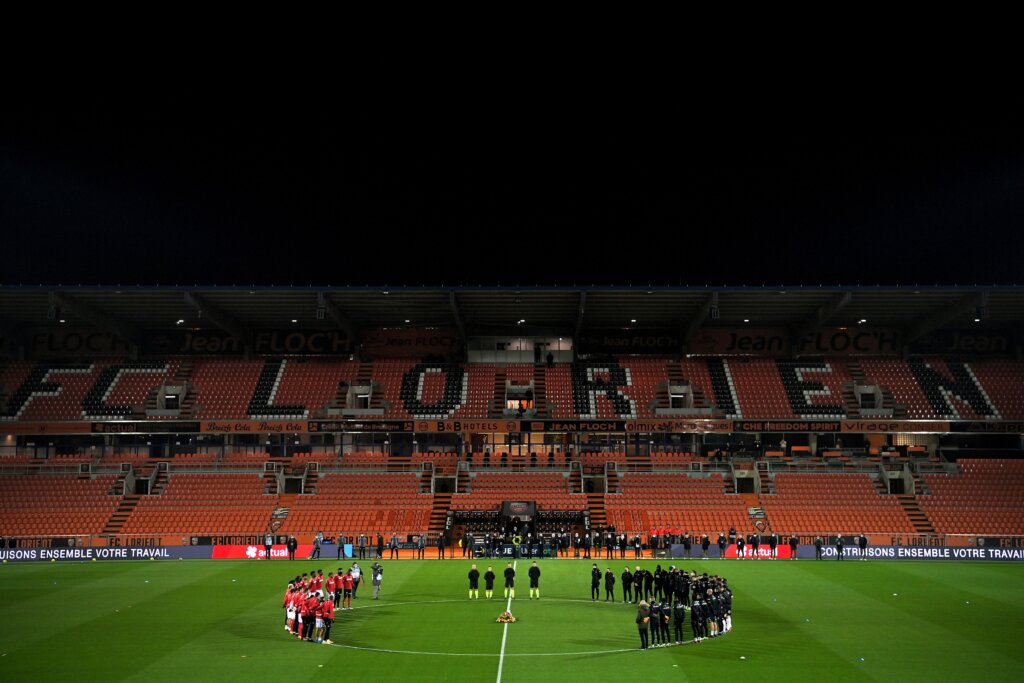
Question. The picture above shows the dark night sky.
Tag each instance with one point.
(186, 188)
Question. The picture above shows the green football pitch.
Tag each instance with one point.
(222, 621)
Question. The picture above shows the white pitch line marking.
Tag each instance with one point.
(504, 633)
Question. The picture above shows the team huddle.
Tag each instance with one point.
(673, 593)
(310, 600)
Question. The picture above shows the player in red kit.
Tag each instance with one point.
(316, 582)
(309, 620)
(330, 584)
(346, 585)
(328, 621)
(318, 613)
(286, 604)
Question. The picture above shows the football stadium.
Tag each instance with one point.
(358, 483)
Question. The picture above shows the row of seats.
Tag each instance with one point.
(985, 497)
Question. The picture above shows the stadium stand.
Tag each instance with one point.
(698, 504)
(41, 504)
(627, 388)
(550, 490)
(820, 503)
(362, 502)
(208, 503)
(986, 497)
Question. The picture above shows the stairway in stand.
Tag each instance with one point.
(918, 518)
(439, 512)
(613, 481)
(462, 481)
(309, 481)
(121, 514)
(540, 392)
(498, 398)
(639, 462)
(598, 516)
(160, 483)
(766, 481)
(398, 462)
(426, 481)
(576, 480)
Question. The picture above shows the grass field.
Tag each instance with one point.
(221, 621)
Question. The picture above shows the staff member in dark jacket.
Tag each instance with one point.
(840, 544)
(643, 619)
(609, 585)
(595, 583)
(721, 544)
(627, 585)
(293, 545)
(793, 543)
(818, 543)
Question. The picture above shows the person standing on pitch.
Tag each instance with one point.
(643, 622)
(357, 578)
(268, 543)
(421, 546)
(648, 585)
(489, 583)
(840, 544)
(705, 543)
(293, 545)
(739, 547)
(362, 546)
(534, 574)
(721, 544)
(510, 581)
(862, 543)
(595, 583)
(793, 543)
(328, 617)
(474, 582)
(441, 541)
(317, 540)
(656, 624)
(393, 546)
(341, 545)
(380, 546)
(687, 544)
(773, 544)
(627, 585)
(818, 543)
(622, 546)
(376, 577)
(609, 585)
(678, 617)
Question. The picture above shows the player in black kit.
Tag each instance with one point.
(534, 574)
(697, 618)
(678, 616)
(666, 616)
(474, 583)
(656, 624)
